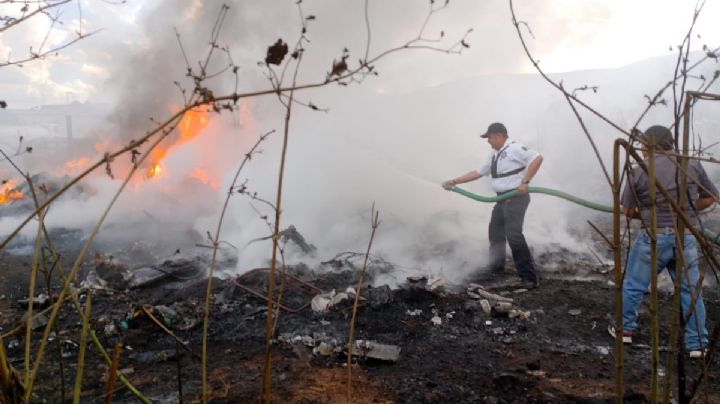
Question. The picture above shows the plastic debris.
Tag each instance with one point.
(374, 350)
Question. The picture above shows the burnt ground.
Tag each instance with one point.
(556, 350)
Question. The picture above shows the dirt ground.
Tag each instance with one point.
(556, 350)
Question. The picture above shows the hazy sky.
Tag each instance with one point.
(569, 35)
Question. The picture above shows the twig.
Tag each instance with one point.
(112, 374)
(374, 224)
(81, 353)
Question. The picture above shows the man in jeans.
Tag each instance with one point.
(511, 166)
(701, 193)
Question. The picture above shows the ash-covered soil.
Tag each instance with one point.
(552, 345)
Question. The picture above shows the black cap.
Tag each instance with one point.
(659, 136)
(495, 127)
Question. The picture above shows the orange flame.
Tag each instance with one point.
(75, 166)
(202, 176)
(191, 124)
(9, 193)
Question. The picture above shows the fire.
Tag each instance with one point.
(154, 171)
(191, 124)
(202, 176)
(75, 166)
(9, 192)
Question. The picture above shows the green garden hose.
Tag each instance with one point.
(712, 237)
(535, 190)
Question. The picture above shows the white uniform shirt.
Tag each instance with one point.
(511, 156)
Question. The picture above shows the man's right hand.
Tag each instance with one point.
(448, 184)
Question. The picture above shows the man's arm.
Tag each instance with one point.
(704, 202)
(707, 193)
(530, 173)
(470, 176)
(632, 213)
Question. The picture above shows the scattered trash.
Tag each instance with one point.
(379, 296)
(414, 313)
(501, 309)
(431, 282)
(110, 330)
(153, 356)
(603, 350)
(486, 308)
(450, 315)
(574, 312)
(478, 290)
(435, 282)
(39, 302)
(126, 371)
(374, 350)
(436, 321)
(323, 349)
(308, 341)
(13, 344)
(325, 301)
(39, 320)
(93, 281)
(498, 331)
(519, 313)
(537, 373)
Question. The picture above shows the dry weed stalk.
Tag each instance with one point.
(341, 74)
(213, 261)
(112, 374)
(375, 222)
(81, 354)
(681, 75)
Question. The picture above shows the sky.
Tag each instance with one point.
(389, 141)
(569, 35)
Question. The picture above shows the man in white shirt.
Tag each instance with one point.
(511, 165)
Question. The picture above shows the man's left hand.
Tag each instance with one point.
(523, 189)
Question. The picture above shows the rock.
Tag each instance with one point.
(603, 350)
(473, 295)
(574, 312)
(436, 321)
(498, 331)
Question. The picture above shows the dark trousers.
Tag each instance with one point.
(506, 224)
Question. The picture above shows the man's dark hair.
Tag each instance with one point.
(659, 137)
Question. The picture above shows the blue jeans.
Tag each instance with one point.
(637, 280)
